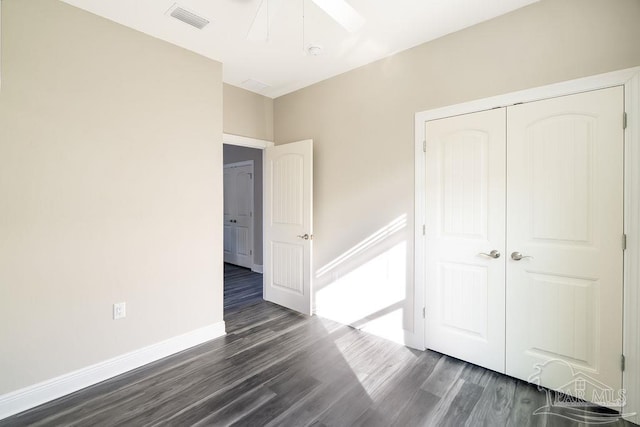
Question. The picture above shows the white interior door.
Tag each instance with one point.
(288, 225)
(228, 207)
(465, 234)
(565, 218)
(238, 214)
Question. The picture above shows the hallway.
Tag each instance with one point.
(241, 287)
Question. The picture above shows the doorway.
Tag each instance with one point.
(287, 230)
(242, 226)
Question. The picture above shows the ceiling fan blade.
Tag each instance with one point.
(342, 13)
(263, 20)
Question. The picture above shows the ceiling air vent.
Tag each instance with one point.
(187, 17)
(254, 85)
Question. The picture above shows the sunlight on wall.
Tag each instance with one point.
(365, 286)
(384, 233)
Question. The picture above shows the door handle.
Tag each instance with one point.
(517, 256)
(493, 254)
(305, 236)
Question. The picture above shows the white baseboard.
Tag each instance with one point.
(256, 268)
(37, 394)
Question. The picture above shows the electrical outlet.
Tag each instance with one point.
(119, 310)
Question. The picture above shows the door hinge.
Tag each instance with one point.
(624, 242)
(424, 229)
(424, 312)
(424, 146)
(250, 252)
(624, 120)
(623, 362)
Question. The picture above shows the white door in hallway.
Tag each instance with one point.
(288, 225)
(465, 235)
(564, 241)
(238, 214)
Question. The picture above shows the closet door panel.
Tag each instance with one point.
(465, 182)
(238, 215)
(564, 242)
(243, 225)
(228, 215)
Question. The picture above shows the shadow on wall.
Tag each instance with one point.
(365, 287)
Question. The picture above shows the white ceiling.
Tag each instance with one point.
(281, 61)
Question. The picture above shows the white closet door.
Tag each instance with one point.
(229, 210)
(465, 185)
(565, 218)
(238, 215)
(244, 216)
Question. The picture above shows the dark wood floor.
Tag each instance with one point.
(241, 287)
(276, 367)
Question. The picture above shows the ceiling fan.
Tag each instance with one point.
(341, 11)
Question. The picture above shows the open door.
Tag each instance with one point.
(288, 225)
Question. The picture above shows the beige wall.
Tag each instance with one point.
(362, 125)
(110, 190)
(247, 113)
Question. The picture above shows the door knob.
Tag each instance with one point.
(517, 256)
(305, 236)
(493, 254)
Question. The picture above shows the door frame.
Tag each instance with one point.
(241, 164)
(260, 144)
(243, 141)
(630, 79)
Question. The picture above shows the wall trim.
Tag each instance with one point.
(257, 268)
(630, 79)
(631, 327)
(244, 141)
(37, 394)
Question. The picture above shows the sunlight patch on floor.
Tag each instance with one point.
(370, 296)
